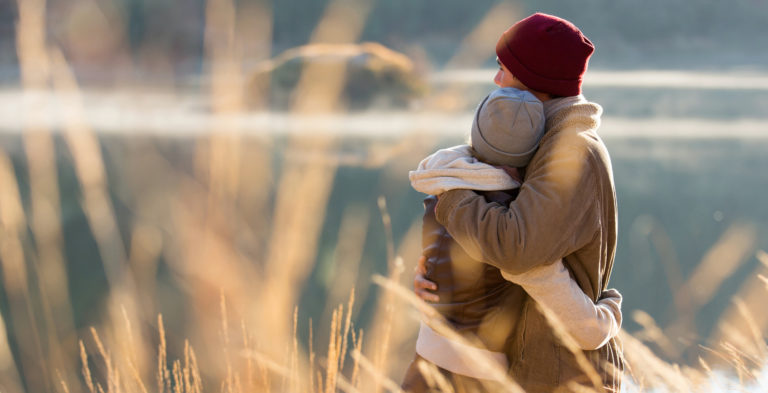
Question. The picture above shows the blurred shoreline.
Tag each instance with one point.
(637, 104)
(645, 78)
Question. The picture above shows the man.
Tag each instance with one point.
(566, 207)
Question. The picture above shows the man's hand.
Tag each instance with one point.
(421, 285)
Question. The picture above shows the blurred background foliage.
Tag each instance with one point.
(216, 196)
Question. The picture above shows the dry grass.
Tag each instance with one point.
(239, 233)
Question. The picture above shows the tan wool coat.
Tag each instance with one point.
(566, 209)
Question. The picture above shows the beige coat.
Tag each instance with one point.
(566, 209)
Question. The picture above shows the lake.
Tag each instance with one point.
(689, 164)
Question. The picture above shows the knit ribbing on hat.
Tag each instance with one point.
(507, 127)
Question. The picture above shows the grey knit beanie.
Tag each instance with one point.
(508, 126)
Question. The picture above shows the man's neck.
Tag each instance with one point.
(543, 97)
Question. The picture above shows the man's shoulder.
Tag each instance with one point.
(570, 142)
(578, 154)
(575, 136)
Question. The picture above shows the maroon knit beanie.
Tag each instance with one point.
(546, 53)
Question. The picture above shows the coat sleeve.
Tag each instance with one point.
(590, 324)
(554, 214)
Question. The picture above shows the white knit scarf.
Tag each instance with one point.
(454, 168)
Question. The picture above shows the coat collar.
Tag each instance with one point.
(573, 110)
(556, 104)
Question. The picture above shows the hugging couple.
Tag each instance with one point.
(522, 218)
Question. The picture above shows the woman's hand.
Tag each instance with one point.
(421, 285)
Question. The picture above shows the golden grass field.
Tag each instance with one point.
(238, 232)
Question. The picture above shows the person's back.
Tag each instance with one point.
(470, 292)
(506, 129)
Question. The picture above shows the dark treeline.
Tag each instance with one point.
(628, 34)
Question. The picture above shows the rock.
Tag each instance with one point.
(361, 76)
